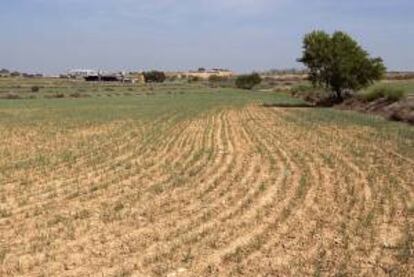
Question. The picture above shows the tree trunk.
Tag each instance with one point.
(338, 96)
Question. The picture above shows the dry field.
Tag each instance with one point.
(198, 185)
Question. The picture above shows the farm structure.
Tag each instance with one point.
(206, 74)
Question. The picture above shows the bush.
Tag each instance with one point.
(15, 74)
(318, 96)
(390, 94)
(216, 81)
(173, 78)
(154, 76)
(56, 95)
(11, 95)
(75, 95)
(217, 78)
(193, 79)
(78, 95)
(248, 81)
(35, 89)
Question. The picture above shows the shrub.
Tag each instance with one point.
(390, 94)
(11, 95)
(35, 89)
(318, 96)
(221, 81)
(55, 95)
(217, 78)
(193, 79)
(173, 78)
(15, 74)
(76, 95)
(154, 76)
(248, 81)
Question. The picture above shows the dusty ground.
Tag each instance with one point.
(252, 191)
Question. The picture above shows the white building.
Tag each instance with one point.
(80, 73)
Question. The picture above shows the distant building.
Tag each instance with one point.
(206, 74)
(82, 73)
(107, 77)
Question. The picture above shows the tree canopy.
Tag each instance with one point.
(337, 62)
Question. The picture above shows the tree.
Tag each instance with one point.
(15, 74)
(338, 63)
(154, 76)
(248, 81)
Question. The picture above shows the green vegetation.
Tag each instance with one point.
(221, 81)
(35, 89)
(217, 78)
(154, 76)
(407, 86)
(390, 94)
(115, 101)
(194, 79)
(338, 63)
(248, 81)
(302, 88)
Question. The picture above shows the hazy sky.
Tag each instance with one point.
(56, 35)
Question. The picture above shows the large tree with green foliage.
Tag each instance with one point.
(338, 63)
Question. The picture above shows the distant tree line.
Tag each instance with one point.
(6, 72)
